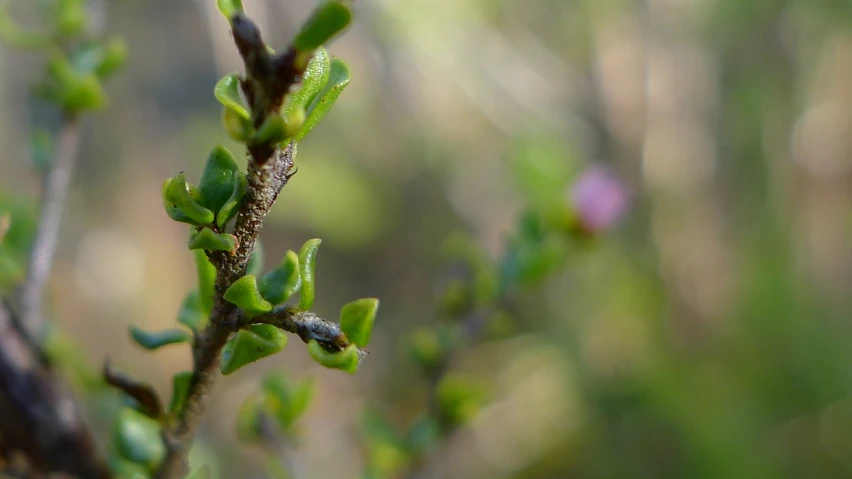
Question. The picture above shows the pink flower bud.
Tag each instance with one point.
(599, 199)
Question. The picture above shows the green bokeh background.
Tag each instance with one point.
(709, 336)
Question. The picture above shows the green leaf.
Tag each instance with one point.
(86, 93)
(180, 390)
(314, 80)
(123, 469)
(114, 57)
(249, 345)
(232, 206)
(191, 315)
(272, 131)
(70, 17)
(203, 472)
(206, 273)
(227, 91)
(180, 204)
(294, 122)
(17, 37)
(459, 400)
(326, 21)
(137, 438)
(243, 293)
(425, 433)
(279, 284)
(307, 266)
(208, 240)
(230, 8)
(237, 127)
(357, 318)
(248, 418)
(154, 340)
(217, 180)
(338, 80)
(285, 400)
(346, 360)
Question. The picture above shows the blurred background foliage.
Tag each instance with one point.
(709, 337)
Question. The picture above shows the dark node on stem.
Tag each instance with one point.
(142, 392)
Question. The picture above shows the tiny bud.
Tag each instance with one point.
(599, 200)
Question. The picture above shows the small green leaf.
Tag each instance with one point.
(279, 284)
(154, 340)
(70, 17)
(272, 131)
(249, 345)
(232, 206)
(84, 94)
(230, 8)
(191, 314)
(248, 418)
(346, 360)
(137, 438)
(326, 21)
(243, 293)
(459, 399)
(124, 469)
(307, 266)
(114, 57)
(237, 127)
(313, 81)
(203, 472)
(293, 123)
(180, 204)
(217, 180)
(180, 390)
(208, 240)
(337, 82)
(285, 400)
(227, 91)
(17, 37)
(357, 318)
(206, 273)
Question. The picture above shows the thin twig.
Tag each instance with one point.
(56, 184)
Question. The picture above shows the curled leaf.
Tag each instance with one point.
(180, 390)
(346, 360)
(191, 314)
(272, 131)
(313, 81)
(232, 206)
(325, 22)
(229, 8)
(228, 93)
(208, 240)
(238, 127)
(137, 439)
(250, 344)
(357, 318)
(339, 78)
(154, 340)
(142, 392)
(307, 267)
(279, 284)
(216, 183)
(285, 400)
(243, 293)
(180, 204)
(206, 274)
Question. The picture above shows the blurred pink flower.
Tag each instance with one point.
(599, 199)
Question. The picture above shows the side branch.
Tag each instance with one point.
(56, 185)
(304, 324)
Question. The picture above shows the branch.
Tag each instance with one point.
(304, 324)
(56, 185)
(267, 81)
(39, 418)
